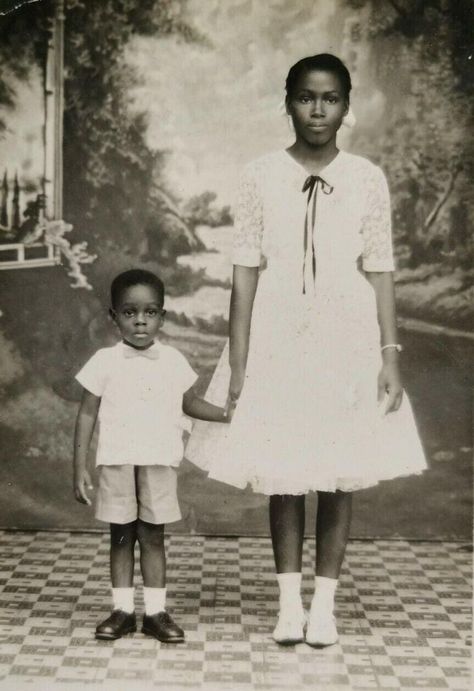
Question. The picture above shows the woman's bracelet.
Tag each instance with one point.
(398, 347)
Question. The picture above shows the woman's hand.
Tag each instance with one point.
(389, 382)
(236, 385)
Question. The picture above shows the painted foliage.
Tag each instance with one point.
(164, 102)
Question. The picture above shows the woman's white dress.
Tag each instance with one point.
(308, 418)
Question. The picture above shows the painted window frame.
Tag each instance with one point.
(20, 255)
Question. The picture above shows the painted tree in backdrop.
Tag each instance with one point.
(115, 192)
(113, 176)
(423, 48)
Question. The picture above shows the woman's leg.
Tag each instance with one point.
(287, 514)
(332, 532)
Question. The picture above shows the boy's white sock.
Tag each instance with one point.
(155, 599)
(290, 591)
(123, 599)
(324, 593)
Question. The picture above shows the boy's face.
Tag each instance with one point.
(138, 315)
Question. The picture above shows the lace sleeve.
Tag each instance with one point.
(248, 222)
(377, 252)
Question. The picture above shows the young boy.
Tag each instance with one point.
(138, 389)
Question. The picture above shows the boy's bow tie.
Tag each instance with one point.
(152, 353)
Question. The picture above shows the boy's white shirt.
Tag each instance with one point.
(140, 414)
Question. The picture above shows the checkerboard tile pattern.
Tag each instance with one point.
(403, 612)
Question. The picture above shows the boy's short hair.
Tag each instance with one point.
(134, 277)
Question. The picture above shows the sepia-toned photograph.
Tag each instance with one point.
(236, 344)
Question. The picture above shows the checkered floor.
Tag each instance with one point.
(403, 612)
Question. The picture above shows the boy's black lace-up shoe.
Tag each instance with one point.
(162, 627)
(117, 625)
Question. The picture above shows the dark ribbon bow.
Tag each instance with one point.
(312, 183)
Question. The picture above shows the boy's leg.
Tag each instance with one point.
(116, 504)
(287, 519)
(332, 532)
(158, 504)
(122, 553)
(152, 554)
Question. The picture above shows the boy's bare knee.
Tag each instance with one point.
(150, 535)
(123, 535)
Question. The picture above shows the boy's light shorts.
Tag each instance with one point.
(128, 492)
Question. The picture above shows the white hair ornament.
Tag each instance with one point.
(349, 119)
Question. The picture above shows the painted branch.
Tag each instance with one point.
(442, 200)
(400, 10)
(420, 326)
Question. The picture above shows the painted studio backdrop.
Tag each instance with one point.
(123, 126)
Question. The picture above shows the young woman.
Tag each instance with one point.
(314, 389)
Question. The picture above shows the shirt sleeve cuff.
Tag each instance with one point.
(85, 383)
(246, 258)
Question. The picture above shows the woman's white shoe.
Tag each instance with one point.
(321, 630)
(290, 628)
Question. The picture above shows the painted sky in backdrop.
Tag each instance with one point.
(21, 144)
(215, 108)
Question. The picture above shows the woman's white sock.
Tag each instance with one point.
(155, 599)
(290, 590)
(324, 593)
(123, 598)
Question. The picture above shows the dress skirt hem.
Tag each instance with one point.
(283, 486)
(274, 457)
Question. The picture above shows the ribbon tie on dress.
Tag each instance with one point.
(312, 183)
(152, 353)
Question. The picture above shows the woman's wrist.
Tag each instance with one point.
(391, 360)
(237, 376)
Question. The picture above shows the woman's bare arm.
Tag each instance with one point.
(244, 286)
(389, 380)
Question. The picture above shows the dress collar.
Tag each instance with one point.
(328, 173)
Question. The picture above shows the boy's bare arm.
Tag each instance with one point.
(85, 423)
(197, 407)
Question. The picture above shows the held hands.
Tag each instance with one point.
(230, 406)
(389, 383)
(82, 481)
(235, 387)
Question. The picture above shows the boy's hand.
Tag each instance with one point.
(81, 483)
(236, 384)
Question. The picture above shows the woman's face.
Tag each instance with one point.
(317, 106)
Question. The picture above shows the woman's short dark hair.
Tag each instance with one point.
(322, 61)
(135, 277)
